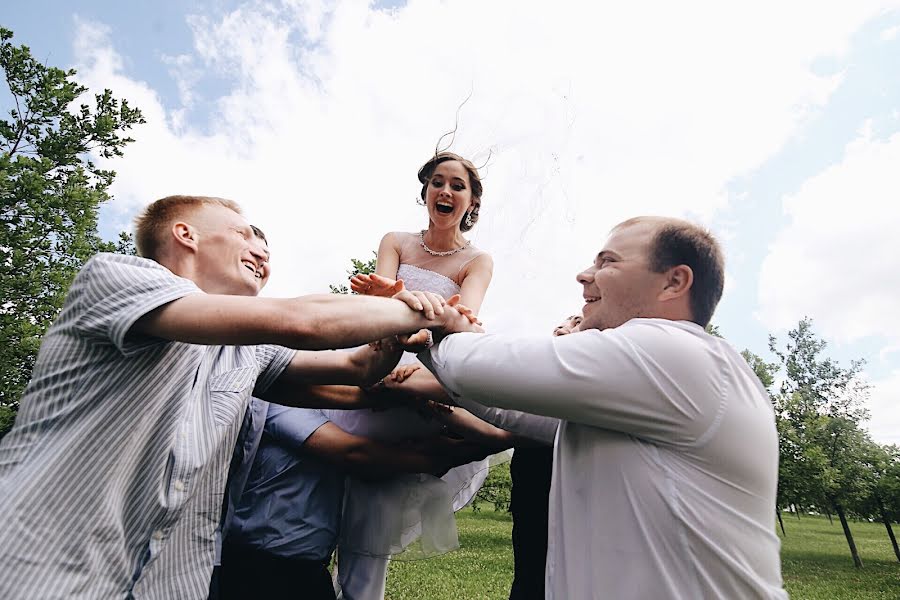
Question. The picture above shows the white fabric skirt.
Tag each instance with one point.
(409, 516)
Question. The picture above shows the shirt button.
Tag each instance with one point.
(157, 535)
(179, 485)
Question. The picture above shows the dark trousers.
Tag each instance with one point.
(248, 574)
(530, 470)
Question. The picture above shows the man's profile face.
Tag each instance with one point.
(231, 258)
(620, 286)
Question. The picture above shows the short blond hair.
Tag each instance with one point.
(151, 224)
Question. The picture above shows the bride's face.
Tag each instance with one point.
(449, 194)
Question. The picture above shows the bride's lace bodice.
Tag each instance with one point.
(422, 280)
(423, 272)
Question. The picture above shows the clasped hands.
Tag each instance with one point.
(449, 314)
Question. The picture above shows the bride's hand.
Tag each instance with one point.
(463, 309)
(375, 285)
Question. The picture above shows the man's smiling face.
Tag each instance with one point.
(620, 286)
(231, 258)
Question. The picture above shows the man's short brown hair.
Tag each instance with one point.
(676, 242)
(150, 226)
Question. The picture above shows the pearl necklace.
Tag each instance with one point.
(446, 252)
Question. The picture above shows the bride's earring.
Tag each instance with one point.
(469, 221)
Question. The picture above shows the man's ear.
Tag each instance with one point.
(679, 280)
(185, 235)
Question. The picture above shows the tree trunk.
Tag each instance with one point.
(887, 525)
(857, 561)
(780, 522)
(797, 511)
(830, 522)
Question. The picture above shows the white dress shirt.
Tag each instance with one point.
(666, 458)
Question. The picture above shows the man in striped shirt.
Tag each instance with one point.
(111, 480)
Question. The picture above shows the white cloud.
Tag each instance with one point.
(890, 33)
(838, 258)
(884, 408)
(593, 113)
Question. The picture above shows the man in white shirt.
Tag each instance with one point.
(666, 458)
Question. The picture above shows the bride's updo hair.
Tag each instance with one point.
(427, 170)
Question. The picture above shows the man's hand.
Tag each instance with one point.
(570, 325)
(375, 285)
(402, 373)
(416, 342)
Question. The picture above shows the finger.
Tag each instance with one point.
(425, 301)
(437, 302)
(411, 299)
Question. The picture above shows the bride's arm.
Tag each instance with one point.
(476, 280)
(388, 260)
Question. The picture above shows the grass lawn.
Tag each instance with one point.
(816, 563)
(815, 558)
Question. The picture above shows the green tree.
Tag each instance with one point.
(764, 371)
(366, 267)
(50, 192)
(819, 407)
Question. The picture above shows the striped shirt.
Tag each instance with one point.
(111, 481)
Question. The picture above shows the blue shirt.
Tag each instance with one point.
(291, 504)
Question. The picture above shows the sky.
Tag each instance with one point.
(776, 125)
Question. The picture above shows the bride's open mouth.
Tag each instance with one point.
(443, 208)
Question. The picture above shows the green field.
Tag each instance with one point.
(816, 562)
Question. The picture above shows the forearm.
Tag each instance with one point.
(309, 322)
(499, 372)
(533, 427)
(466, 424)
(339, 321)
(346, 397)
(369, 459)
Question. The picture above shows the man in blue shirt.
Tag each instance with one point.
(285, 525)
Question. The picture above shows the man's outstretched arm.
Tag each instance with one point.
(631, 379)
(308, 322)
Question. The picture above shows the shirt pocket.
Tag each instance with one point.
(228, 394)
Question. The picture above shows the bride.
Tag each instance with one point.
(383, 518)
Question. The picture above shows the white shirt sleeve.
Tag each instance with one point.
(535, 427)
(651, 378)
